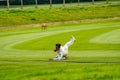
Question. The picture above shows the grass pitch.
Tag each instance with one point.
(24, 54)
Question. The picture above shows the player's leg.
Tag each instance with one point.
(72, 40)
(65, 57)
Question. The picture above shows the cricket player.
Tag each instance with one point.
(63, 50)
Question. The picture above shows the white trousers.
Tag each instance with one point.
(64, 50)
(70, 42)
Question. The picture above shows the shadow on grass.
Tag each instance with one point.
(68, 61)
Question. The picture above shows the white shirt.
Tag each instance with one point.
(64, 49)
(62, 52)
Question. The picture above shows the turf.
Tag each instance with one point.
(24, 53)
(82, 43)
(56, 71)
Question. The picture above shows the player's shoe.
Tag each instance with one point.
(73, 38)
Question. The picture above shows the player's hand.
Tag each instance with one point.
(55, 50)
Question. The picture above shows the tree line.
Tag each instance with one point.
(29, 2)
(50, 2)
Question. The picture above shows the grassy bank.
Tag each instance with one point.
(37, 16)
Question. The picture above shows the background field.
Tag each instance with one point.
(87, 60)
(25, 49)
(9, 18)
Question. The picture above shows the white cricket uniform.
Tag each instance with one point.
(64, 49)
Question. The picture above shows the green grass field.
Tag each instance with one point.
(25, 49)
(24, 53)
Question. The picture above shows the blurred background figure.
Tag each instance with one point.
(44, 26)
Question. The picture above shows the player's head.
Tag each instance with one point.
(57, 47)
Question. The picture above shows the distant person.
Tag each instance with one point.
(63, 50)
(44, 26)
